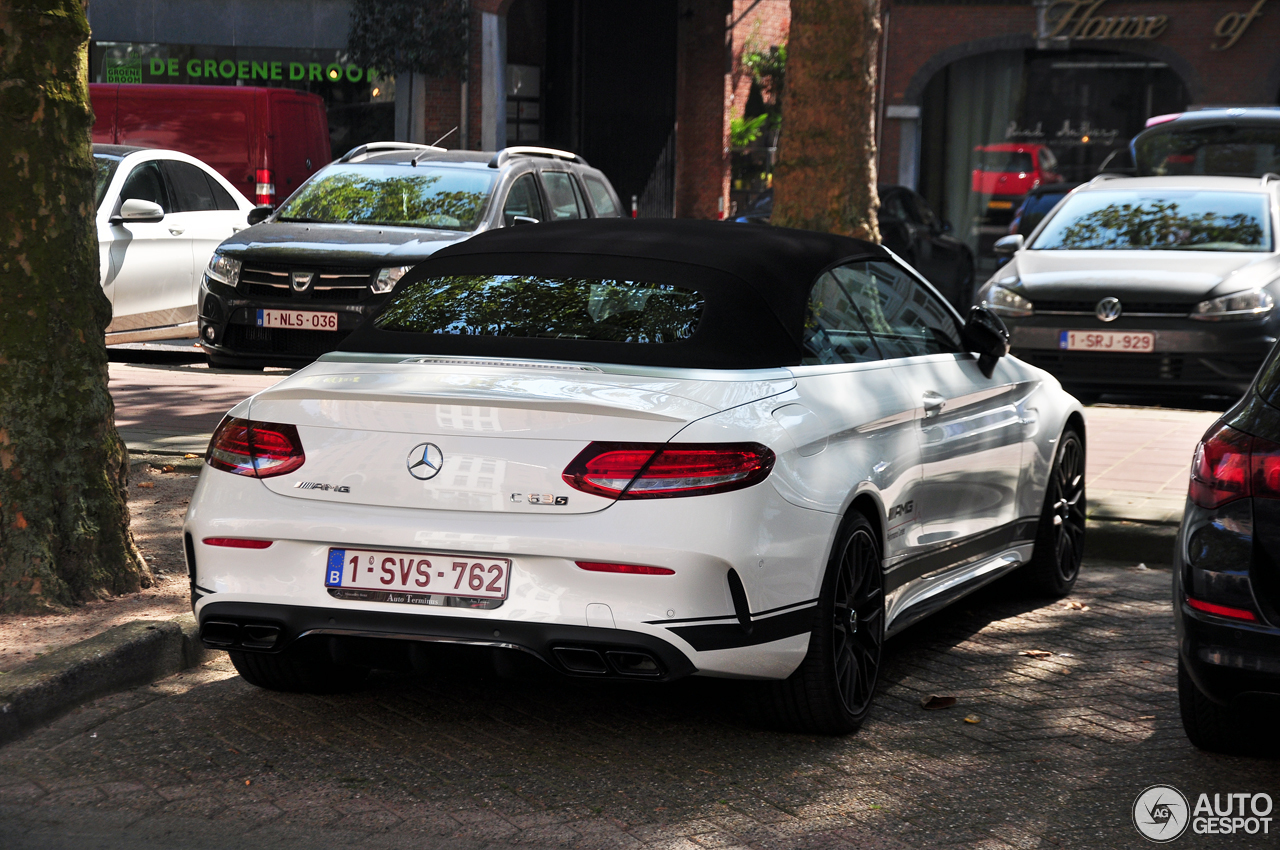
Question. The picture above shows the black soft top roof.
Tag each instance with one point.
(755, 281)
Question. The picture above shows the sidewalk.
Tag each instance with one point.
(1137, 465)
(174, 409)
(1138, 461)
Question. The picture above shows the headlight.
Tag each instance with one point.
(224, 270)
(387, 278)
(1006, 302)
(1250, 304)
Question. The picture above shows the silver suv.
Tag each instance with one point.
(292, 287)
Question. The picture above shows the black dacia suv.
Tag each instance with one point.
(290, 288)
(1226, 582)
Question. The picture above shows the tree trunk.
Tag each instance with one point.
(825, 177)
(64, 521)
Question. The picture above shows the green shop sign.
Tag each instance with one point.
(226, 69)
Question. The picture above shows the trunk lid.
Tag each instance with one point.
(504, 430)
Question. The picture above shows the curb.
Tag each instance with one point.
(123, 657)
(1128, 540)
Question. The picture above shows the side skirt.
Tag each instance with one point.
(926, 583)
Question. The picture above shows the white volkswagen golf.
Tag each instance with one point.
(637, 450)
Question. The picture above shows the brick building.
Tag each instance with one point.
(1079, 76)
(643, 89)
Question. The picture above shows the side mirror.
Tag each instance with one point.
(986, 335)
(513, 220)
(138, 210)
(259, 214)
(1008, 245)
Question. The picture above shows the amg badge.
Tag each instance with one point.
(316, 485)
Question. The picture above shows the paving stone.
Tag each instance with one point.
(1058, 757)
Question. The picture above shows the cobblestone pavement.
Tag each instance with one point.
(1062, 746)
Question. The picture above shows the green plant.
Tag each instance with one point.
(744, 131)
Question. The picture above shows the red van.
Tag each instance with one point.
(266, 141)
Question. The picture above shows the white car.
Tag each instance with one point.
(160, 215)
(639, 450)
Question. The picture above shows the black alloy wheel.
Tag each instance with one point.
(857, 622)
(1059, 546)
(831, 691)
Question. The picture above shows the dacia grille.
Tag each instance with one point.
(340, 284)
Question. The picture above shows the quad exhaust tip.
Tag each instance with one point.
(588, 661)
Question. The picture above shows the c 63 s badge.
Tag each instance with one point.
(540, 499)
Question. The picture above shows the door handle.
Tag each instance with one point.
(177, 231)
(932, 403)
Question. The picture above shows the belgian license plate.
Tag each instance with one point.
(1118, 341)
(301, 319)
(416, 574)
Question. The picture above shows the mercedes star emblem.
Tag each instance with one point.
(425, 461)
(1108, 309)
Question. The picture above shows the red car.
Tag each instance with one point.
(1006, 172)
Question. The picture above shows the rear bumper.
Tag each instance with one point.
(691, 610)
(572, 650)
(1225, 658)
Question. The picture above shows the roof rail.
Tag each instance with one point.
(363, 151)
(526, 150)
(1106, 175)
(1269, 176)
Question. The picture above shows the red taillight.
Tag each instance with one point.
(259, 449)
(264, 192)
(237, 542)
(1231, 464)
(630, 569)
(660, 470)
(1222, 610)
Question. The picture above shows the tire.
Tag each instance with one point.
(302, 668)
(830, 693)
(1059, 546)
(1209, 726)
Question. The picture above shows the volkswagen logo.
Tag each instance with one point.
(1108, 309)
(425, 461)
(301, 280)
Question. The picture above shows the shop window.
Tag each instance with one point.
(524, 104)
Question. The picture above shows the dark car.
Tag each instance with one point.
(1239, 142)
(1226, 579)
(1160, 286)
(1039, 202)
(910, 229)
(292, 287)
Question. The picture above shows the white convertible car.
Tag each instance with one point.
(637, 450)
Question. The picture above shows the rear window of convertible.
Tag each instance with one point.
(544, 307)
